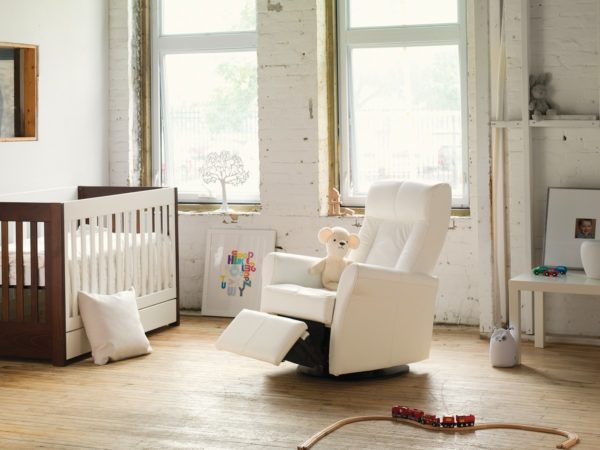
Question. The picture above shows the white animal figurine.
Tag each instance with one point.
(503, 348)
(338, 243)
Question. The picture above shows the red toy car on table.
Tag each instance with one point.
(549, 271)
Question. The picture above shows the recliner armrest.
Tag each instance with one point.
(289, 268)
(382, 318)
(360, 271)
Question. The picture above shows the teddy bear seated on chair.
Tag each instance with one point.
(338, 242)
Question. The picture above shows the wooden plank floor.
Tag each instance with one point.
(187, 395)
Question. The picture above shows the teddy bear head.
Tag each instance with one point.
(338, 241)
(537, 86)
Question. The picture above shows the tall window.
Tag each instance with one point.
(204, 77)
(402, 80)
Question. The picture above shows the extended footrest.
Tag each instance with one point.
(261, 336)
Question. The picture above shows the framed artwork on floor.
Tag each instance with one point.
(572, 217)
(233, 270)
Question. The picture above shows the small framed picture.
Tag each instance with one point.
(571, 218)
(233, 270)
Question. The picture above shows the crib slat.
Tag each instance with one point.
(134, 261)
(119, 252)
(143, 252)
(75, 272)
(102, 255)
(127, 249)
(33, 252)
(110, 267)
(93, 254)
(5, 271)
(164, 263)
(150, 251)
(85, 285)
(158, 258)
(20, 281)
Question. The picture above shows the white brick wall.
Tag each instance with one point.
(118, 69)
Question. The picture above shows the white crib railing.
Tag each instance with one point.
(117, 242)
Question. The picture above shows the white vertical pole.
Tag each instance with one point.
(479, 120)
(526, 298)
(498, 63)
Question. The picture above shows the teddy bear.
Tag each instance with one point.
(539, 106)
(338, 242)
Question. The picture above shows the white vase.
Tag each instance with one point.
(590, 258)
(503, 348)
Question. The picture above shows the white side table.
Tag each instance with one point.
(574, 282)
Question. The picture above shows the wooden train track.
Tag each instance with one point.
(572, 438)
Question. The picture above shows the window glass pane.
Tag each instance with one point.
(406, 116)
(210, 105)
(194, 16)
(385, 13)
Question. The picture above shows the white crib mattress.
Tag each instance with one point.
(153, 244)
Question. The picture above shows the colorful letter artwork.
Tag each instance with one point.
(236, 277)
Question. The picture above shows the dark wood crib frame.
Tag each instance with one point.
(38, 332)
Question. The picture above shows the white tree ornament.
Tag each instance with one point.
(227, 168)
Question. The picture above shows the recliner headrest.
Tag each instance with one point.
(406, 201)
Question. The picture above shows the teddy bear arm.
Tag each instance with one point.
(317, 267)
(331, 285)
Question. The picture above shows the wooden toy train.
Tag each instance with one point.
(403, 412)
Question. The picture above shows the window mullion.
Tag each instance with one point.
(207, 42)
(408, 36)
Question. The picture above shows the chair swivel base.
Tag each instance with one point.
(321, 371)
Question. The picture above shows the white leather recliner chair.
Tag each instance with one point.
(381, 316)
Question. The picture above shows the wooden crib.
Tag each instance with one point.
(98, 239)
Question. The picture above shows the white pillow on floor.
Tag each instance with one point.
(112, 325)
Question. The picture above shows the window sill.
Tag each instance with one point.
(360, 212)
(213, 209)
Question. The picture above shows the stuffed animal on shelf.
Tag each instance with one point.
(338, 242)
(539, 106)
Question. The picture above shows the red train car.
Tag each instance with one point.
(448, 422)
(465, 421)
(430, 419)
(403, 412)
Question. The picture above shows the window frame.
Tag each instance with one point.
(162, 45)
(393, 36)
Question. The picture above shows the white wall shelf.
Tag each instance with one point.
(564, 123)
(506, 123)
(547, 123)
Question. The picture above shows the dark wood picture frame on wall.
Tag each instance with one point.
(18, 92)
